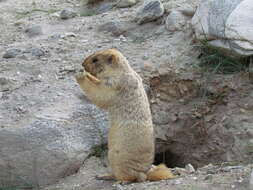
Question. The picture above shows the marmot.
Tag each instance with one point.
(110, 83)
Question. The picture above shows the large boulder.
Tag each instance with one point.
(54, 144)
(226, 24)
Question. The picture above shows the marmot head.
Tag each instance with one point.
(105, 62)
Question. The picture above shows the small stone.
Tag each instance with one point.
(187, 10)
(251, 71)
(6, 84)
(11, 53)
(177, 182)
(105, 7)
(150, 10)
(114, 27)
(175, 21)
(230, 168)
(67, 14)
(209, 177)
(190, 168)
(180, 171)
(34, 31)
(119, 187)
(56, 14)
(122, 38)
(251, 180)
(126, 3)
(55, 36)
(70, 34)
(37, 52)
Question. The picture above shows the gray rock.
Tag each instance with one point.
(231, 20)
(149, 11)
(7, 84)
(37, 52)
(104, 7)
(49, 148)
(209, 177)
(189, 168)
(67, 14)
(114, 27)
(33, 31)
(187, 10)
(175, 21)
(11, 53)
(251, 181)
(126, 3)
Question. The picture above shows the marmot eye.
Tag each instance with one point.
(94, 60)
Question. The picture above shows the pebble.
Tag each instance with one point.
(67, 14)
(37, 52)
(6, 84)
(119, 187)
(175, 21)
(187, 10)
(209, 177)
(114, 27)
(190, 168)
(33, 31)
(251, 180)
(151, 10)
(126, 3)
(11, 53)
(177, 182)
(229, 168)
(105, 7)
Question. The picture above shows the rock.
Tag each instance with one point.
(251, 73)
(85, 2)
(251, 181)
(189, 168)
(229, 168)
(67, 14)
(149, 11)
(126, 3)
(6, 84)
(48, 148)
(11, 53)
(175, 21)
(209, 177)
(231, 20)
(179, 171)
(114, 27)
(37, 52)
(104, 7)
(187, 10)
(33, 31)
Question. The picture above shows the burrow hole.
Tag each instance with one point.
(170, 159)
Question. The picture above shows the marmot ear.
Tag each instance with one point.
(112, 60)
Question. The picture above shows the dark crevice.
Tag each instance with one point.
(171, 160)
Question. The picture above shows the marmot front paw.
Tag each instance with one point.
(81, 75)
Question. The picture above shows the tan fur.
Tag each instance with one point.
(120, 92)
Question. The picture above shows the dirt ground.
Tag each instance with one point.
(223, 177)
